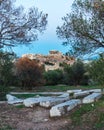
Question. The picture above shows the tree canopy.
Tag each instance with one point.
(96, 70)
(83, 28)
(18, 27)
(29, 72)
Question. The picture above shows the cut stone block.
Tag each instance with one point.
(63, 108)
(80, 94)
(95, 90)
(54, 101)
(30, 102)
(65, 95)
(13, 100)
(74, 91)
(91, 98)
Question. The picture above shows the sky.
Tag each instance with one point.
(56, 9)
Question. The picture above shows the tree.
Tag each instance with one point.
(53, 77)
(17, 27)
(96, 71)
(75, 74)
(29, 72)
(6, 68)
(83, 28)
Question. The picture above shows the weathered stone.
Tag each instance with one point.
(63, 108)
(13, 100)
(30, 102)
(51, 61)
(65, 95)
(91, 98)
(55, 100)
(95, 90)
(80, 94)
(74, 91)
(52, 102)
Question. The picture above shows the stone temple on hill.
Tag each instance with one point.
(52, 61)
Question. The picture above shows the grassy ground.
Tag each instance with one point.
(85, 117)
(57, 88)
(61, 88)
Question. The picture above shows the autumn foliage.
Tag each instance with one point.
(29, 72)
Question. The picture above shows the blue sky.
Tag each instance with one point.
(56, 9)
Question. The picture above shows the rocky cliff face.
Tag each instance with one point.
(51, 61)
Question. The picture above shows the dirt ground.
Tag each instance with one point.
(36, 118)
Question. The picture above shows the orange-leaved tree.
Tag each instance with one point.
(29, 72)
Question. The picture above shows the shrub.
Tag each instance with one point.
(96, 71)
(53, 77)
(29, 72)
(75, 74)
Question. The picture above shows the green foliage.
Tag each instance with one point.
(90, 113)
(75, 74)
(96, 71)
(3, 92)
(20, 106)
(100, 122)
(7, 127)
(6, 68)
(53, 77)
(83, 28)
(84, 109)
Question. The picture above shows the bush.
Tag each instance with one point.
(76, 74)
(53, 77)
(29, 72)
(6, 68)
(96, 71)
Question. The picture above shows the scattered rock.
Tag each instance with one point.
(74, 91)
(80, 94)
(63, 108)
(30, 102)
(13, 100)
(95, 90)
(52, 102)
(91, 98)
(55, 100)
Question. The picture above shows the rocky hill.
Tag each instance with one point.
(51, 61)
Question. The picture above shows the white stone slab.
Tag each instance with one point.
(52, 102)
(95, 90)
(30, 102)
(13, 100)
(55, 100)
(63, 108)
(91, 98)
(65, 95)
(74, 91)
(82, 93)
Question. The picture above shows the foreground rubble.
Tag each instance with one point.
(60, 103)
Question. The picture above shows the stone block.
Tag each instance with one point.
(55, 100)
(63, 108)
(52, 102)
(30, 102)
(91, 98)
(95, 90)
(13, 100)
(74, 91)
(81, 94)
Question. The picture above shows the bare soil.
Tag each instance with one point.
(37, 118)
